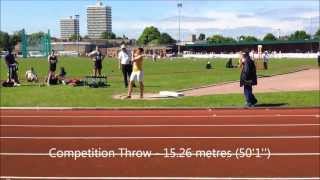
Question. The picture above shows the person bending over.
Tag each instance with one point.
(31, 75)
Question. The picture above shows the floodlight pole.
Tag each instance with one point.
(78, 31)
(179, 5)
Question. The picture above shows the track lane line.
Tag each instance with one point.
(163, 137)
(161, 116)
(158, 125)
(165, 178)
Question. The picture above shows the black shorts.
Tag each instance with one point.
(53, 67)
(98, 65)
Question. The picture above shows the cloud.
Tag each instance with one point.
(245, 15)
(231, 23)
(302, 12)
(187, 19)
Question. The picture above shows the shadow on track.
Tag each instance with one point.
(271, 105)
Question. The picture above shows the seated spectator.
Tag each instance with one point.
(229, 64)
(53, 80)
(31, 75)
(62, 75)
(208, 66)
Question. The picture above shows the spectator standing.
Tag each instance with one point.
(265, 60)
(248, 78)
(53, 61)
(97, 58)
(12, 65)
(125, 64)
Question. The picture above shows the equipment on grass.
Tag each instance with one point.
(170, 94)
(95, 81)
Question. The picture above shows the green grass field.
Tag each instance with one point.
(162, 75)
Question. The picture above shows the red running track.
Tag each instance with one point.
(177, 144)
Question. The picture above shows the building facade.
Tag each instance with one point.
(69, 27)
(99, 20)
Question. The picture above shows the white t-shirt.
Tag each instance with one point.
(265, 57)
(251, 54)
(125, 58)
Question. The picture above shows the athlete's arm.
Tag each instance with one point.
(137, 57)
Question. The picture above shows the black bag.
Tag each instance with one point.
(8, 84)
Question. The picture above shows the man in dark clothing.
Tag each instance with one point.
(12, 65)
(248, 78)
(208, 66)
(229, 63)
(318, 58)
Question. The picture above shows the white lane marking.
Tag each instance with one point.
(101, 116)
(165, 178)
(164, 154)
(159, 116)
(155, 125)
(164, 137)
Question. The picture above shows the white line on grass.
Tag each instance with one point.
(165, 178)
(163, 137)
(156, 125)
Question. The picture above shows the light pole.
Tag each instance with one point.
(179, 5)
(78, 30)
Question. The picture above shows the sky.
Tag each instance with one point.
(129, 17)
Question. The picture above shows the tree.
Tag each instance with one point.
(299, 35)
(9, 41)
(149, 34)
(248, 39)
(165, 38)
(217, 39)
(269, 37)
(154, 42)
(317, 34)
(75, 37)
(86, 37)
(35, 38)
(108, 35)
(4, 40)
(201, 37)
